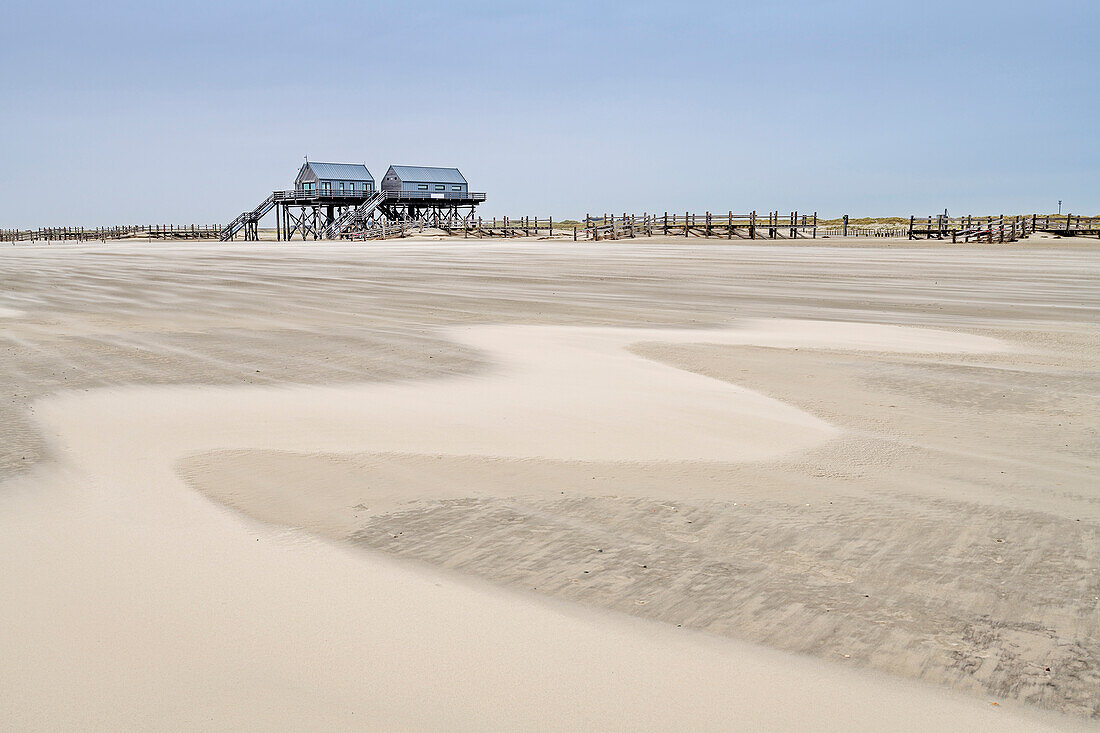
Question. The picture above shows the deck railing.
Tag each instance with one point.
(300, 195)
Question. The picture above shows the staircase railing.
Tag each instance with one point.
(248, 217)
(354, 215)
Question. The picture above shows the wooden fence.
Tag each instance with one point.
(971, 228)
(102, 234)
(772, 225)
(1066, 224)
(1000, 228)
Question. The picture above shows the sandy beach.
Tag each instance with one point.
(637, 485)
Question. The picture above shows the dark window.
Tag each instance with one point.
(326, 185)
(423, 187)
(440, 187)
(456, 188)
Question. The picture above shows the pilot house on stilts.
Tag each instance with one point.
(334, 178)
(428, 182)
(340, 200)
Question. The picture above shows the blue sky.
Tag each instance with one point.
(188, 112)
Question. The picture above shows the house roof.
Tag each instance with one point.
(426, 174)
(341, 171)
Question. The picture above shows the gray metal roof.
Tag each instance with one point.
(425, 174)
(341, 171)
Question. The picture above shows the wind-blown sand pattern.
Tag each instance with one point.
(902, 484)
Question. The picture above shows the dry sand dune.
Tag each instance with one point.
(599, 517)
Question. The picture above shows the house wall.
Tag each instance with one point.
(447, 187)
(305, 175)
(390, 182)
(356, 186)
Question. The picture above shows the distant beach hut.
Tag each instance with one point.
(334, 178)
(425, 181)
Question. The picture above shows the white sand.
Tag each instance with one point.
(192, 616)
(135, 603)
(175, 615)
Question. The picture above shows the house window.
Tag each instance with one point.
(326, 186)
(422, 187)
(456, 188)
(341, 186)
(440, 187)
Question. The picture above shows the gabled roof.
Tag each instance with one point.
(425, 174)
(341, 171)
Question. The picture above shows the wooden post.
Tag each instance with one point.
(752, 224)
(686, 225)
(910, 227)
(845, 225)
(665, 230)
(815, 225)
